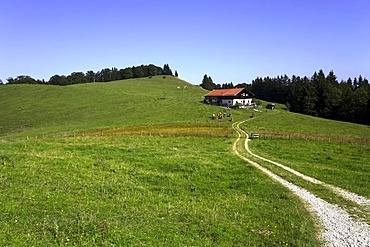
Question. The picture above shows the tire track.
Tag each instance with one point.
(353, 197)
(340, 229)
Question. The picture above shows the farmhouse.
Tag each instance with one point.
(230, 97)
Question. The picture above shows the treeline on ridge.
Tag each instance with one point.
(321, 96)
(104, 75)
(208, 84)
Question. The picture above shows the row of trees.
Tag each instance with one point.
(207, 83)
(24, 79)
(104, 75)
(321, 95)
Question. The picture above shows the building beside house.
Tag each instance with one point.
(270, 106)
(232, 97)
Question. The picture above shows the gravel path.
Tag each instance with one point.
(340, 229)
(339, 191)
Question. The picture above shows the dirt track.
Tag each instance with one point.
(340, 229)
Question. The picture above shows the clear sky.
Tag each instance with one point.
(229, 40)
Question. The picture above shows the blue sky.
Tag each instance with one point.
(230, 40)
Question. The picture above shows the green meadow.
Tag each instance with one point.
(140, 162)
(140, 190)
(40, 109)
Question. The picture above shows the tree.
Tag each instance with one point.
(58, 80)
(159, 70)
(176, 74)
(367, 112)
(1, 82)
(319, 82)
(207, 83)
(331, 95)
(22, 79)
(347, 101)
(244, 85)
(167, 70)
(309, 99)
(76, 78)
(138, 72)
(361, 98)
(127, 73)
(10, 80)
(259, 88)
(319, 95)
(90, 76)
(151, 70)
(226, 85)
(355, 83)
(114, 75)
(98, 76)
(105, 75)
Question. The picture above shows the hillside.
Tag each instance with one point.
(148, 165)
(51, 109)
(41, 109)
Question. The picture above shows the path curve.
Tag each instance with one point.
(339, 191)
(340, 228)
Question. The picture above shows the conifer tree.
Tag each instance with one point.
(167, 70)
(207, 83)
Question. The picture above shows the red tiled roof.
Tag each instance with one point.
(224, 92)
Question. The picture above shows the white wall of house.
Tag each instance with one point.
(243, 101)
(231, 102)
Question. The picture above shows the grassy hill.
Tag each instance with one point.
(42, 109)
(50, 109)
(147, 166)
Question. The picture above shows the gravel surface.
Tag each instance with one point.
(339, 191)
(340, 229)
